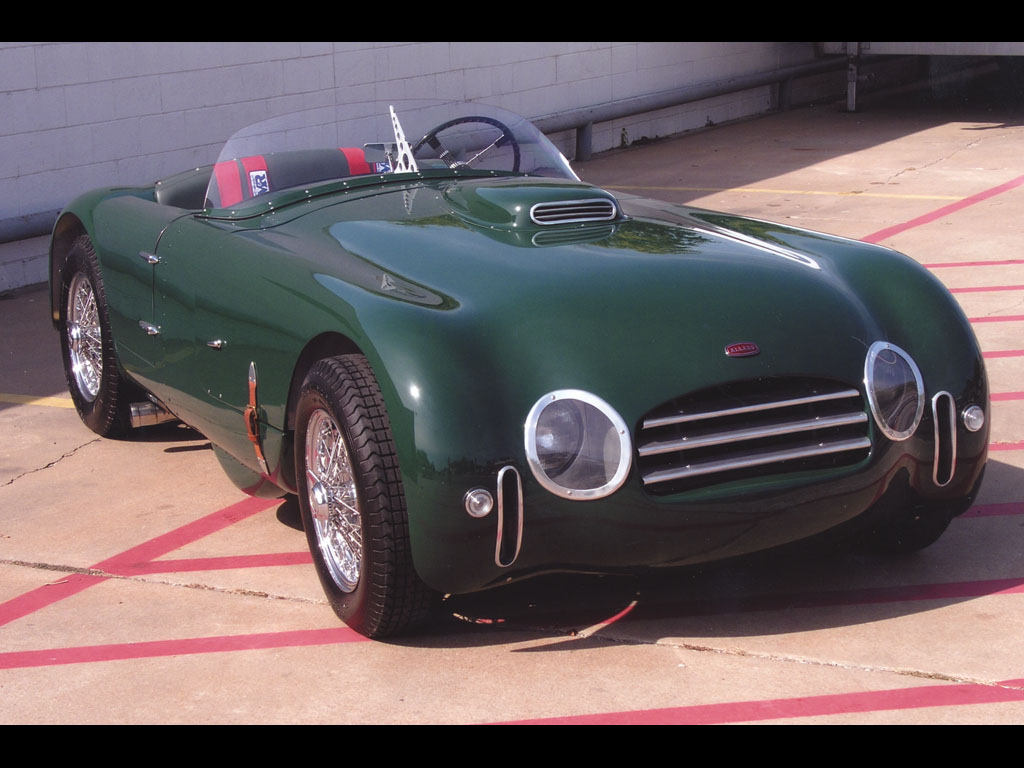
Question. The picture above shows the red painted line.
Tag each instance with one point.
(30, 602)
(981, 289)
(946, 210)
(1017, 446)
(136, 557)
(997, 319)
(994, 263)
(185, 647)
(997, 396)
(989, 510)
(1003, 353)
(186, 534)
(217, 563)
(947, 695)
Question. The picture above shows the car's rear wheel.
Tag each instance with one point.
(352, 503)
(90, 362)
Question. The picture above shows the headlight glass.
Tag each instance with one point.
(895, 390)
(577, 446)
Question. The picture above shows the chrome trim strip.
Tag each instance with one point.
(753, 433)
(573, 211)
(757, 459)
(938, 438)
(501, 516)
(682, 418)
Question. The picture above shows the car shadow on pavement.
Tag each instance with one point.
(979, 555)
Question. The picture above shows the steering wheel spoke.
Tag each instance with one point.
(449, 159)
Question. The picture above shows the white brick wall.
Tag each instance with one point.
(79, 115)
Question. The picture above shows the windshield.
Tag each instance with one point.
(376, 138)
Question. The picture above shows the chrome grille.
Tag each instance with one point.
(571, 211)
(748, 429)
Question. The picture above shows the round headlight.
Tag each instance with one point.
(895, 390)
(577, 445)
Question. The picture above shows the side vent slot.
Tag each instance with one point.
(510, 517)
(944, 418)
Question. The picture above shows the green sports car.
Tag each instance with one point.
(471, 367)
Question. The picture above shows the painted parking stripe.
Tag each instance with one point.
(997, 319)
(990, 510)
(230, 562)
(945, 695)
(999, 396)
(186, 534)
(34, 600)
(1003, 353)
(75, 583)
(992, 263)
(635, 611)
(984, 288)
(50, 402)
(946, 210)
(157, 648)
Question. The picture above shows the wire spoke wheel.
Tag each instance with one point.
(352, 502)
(84, 337)
(334, 500)
(98, 389)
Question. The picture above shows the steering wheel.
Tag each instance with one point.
(507, 137)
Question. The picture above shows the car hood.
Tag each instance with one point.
(657, 294)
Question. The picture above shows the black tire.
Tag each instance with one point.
(93, 374)
(344, 450)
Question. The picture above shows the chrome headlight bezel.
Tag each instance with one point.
(880, 410)
(613, 480)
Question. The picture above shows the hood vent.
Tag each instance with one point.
(573, 211)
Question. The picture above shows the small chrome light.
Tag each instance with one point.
(974, 418)
(479, 502)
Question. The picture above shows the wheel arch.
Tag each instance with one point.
(65, 232)
(324, 345)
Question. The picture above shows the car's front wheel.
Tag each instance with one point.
(90, 363)
(351, 498)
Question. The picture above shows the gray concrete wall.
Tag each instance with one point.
(74, 116)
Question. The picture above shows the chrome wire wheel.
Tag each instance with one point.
(84, 337)
(334, 501)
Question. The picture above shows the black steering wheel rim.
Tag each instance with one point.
(507, 136)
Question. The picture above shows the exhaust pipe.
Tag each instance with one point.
(146, 414)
